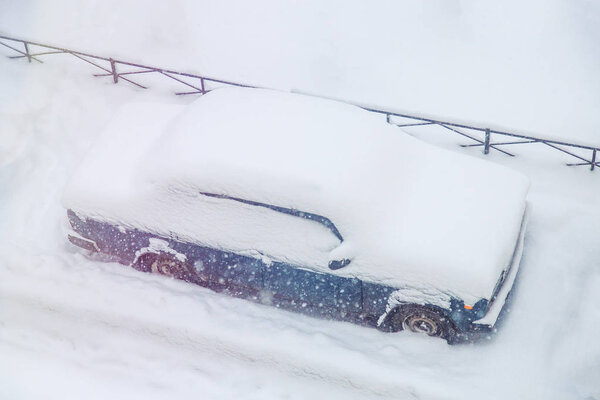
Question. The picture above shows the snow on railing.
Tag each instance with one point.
(200, 84)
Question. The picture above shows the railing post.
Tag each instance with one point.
(202, 85)
(113, 69)
(27, 51)
(593, 160)
(387, 118)
(486, 144)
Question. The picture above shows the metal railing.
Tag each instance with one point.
(200, 85)
(486, 141)
(111, 68)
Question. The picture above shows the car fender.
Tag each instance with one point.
(425, 296)
(158, 246)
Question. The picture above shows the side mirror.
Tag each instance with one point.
(337, 264)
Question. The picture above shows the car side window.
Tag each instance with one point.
(326, 222)
(260, 230)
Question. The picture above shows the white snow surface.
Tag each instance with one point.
(88, 329)
(73, 328)
(392, 197)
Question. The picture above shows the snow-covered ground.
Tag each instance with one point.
(74, 328)
(527, 64)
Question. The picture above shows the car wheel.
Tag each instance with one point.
(164, 264)
(424, 320)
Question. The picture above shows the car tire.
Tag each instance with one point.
(425, 320)
(164, 264)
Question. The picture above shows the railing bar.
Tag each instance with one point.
(231, 83)
(471, 145)
(521, 142)
(121, 73)
(499, 143)
(136, 72)
(116, 76)
(136, 84)
(564, 151)
(179, 80)
(417, 124)
(493, 146)
(481, 142)
(10, 47)
(186, 93)
(124, 73)
(486, 142)
(502, 151)
(113, 70)
(26, 45)
(88, 61)
(19, 51)
(48, 52)
(460, 133)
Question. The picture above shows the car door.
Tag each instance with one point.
(240, 275)
(282, 251)
(314, 292)
(295, 287)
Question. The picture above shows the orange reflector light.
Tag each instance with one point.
(468, 307)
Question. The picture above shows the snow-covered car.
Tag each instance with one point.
(306, 204)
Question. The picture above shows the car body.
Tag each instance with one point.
(306, 204)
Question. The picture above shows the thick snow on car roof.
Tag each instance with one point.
(408, 212)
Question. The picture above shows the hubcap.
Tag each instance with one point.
(421, 324)
(164, 268)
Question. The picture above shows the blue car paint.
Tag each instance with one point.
(279, 284)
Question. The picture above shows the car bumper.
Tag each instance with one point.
(82, 242)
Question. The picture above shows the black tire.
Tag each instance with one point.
(164, 264)
(425, 320)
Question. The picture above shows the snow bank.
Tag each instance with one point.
(393, 198)
(74, 328)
